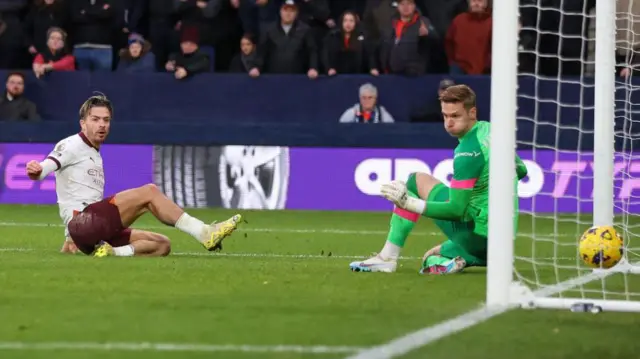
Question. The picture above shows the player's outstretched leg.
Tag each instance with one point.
(400, 226)
(136, 242)
(148, 198)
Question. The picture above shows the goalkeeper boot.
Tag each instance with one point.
(217, 232)
(104, 250)
(451, 266)
(374, 264)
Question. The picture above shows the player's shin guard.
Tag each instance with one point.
(401, 224)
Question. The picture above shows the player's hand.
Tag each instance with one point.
(396, 192)
(34, 169)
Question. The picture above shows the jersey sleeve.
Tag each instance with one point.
(63, 154)
(467, 168)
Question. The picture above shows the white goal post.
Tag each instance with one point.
(550, 273)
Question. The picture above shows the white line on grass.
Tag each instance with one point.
(425, 336)
(249, 229)
(277, 255)
(170, 347)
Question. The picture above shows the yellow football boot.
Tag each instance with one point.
(217, 232)
(104, 250)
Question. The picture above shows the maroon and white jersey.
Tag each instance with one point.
(79, 175)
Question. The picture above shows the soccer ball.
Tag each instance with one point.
(601, 247)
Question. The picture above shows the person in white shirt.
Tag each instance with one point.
(99, 226)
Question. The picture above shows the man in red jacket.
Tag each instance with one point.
(468, 41)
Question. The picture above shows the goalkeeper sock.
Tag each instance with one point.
(401, 225)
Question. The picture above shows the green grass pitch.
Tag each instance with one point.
(283, 280)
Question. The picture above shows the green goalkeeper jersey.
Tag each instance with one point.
(469, 190)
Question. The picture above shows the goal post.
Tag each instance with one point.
(504, 87)
(549, 273)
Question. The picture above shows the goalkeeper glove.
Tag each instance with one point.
(396, 192)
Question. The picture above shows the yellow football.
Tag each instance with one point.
(601, 247)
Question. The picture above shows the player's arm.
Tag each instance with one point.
(467, 167)
(60, 157)
(39, 170)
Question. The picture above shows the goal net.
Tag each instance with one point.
(577, 128)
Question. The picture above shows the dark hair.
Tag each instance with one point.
(249, 36)
(57, 29)
(459, 93)
(99, 100)
(16, 73)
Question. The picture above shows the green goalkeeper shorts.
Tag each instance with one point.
(462, 241)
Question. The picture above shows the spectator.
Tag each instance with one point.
(431, 110)
(317, 15)
(161, 25)
(378, 14)
(257, 15)
(441, 13)
(405, 46)
(190, 60)
(44, 15)
(137, 57)
(13, 52)
(13, 105)
(287, 47)
(55, 57)
(345, 50)
(627, 41)
(468, 41)
(94, 24)
(133, 13)
(198, 14)
(367, 110)
(247, 59)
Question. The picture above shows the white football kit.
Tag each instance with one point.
(79, 175)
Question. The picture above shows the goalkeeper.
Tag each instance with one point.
(461, 212)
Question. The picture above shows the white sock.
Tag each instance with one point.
(390, 251)
(123, 251)
(190, 225)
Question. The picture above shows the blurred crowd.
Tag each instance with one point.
(311, 37)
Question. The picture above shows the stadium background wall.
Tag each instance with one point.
(289, 110)
(278, 177)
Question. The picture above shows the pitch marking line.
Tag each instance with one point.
(170, 347)
(276, 255)
(545, 236)
(425, 336)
